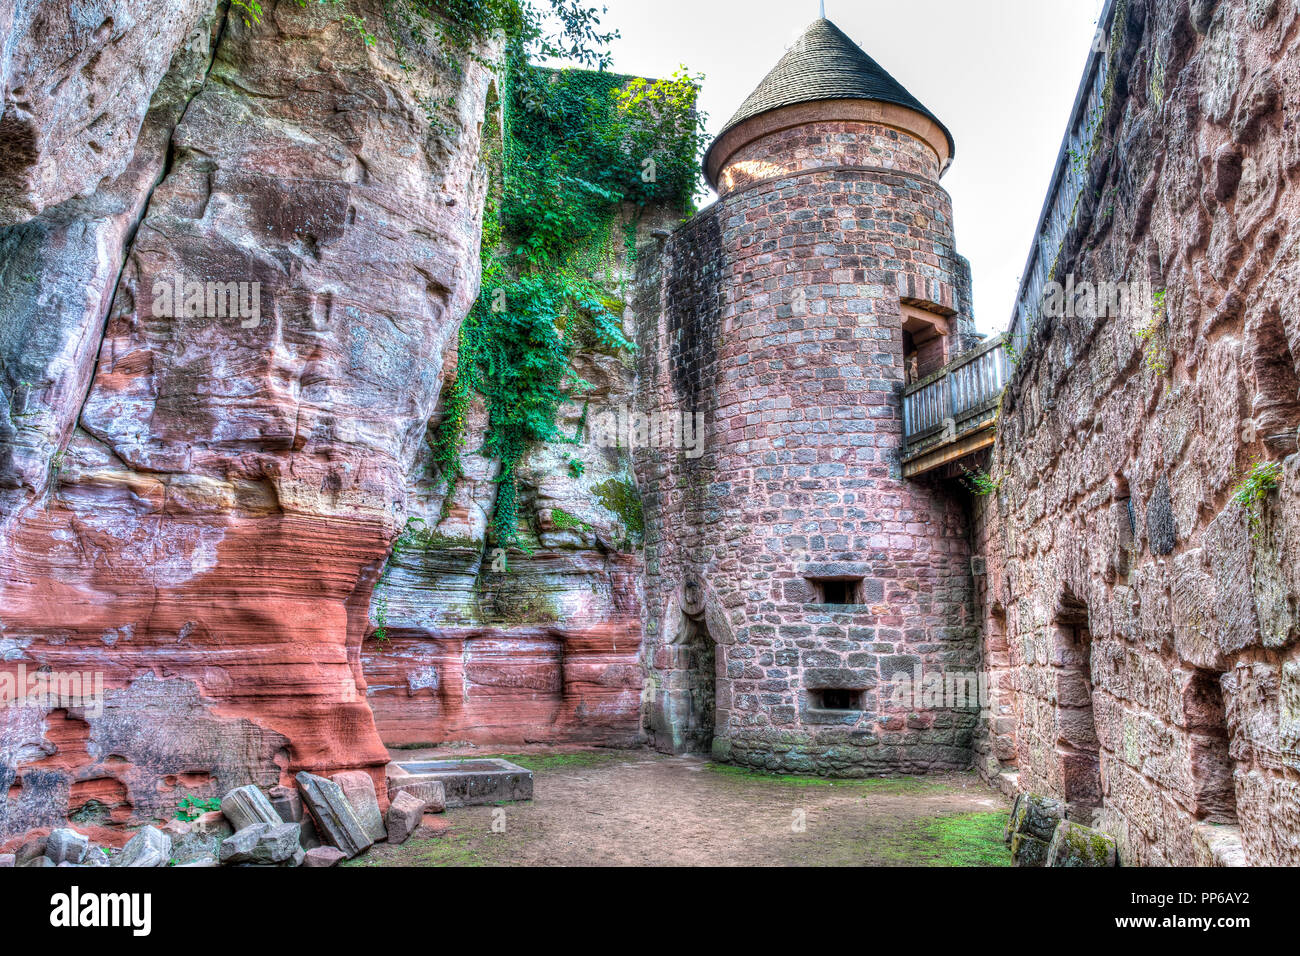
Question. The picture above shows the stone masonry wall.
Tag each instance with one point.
(822, 144)
(780, 322)
(1141, 625)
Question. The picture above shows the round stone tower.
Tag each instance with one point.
(794, 577)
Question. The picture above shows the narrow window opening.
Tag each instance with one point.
(925, 342)
(911, 359)
(1276, 408)
(836, 698)
(1212, 767)
(841, 591)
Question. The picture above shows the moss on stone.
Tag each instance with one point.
(620, 496)
(563, 521)
(868, 785)
(417, 536)
(513, 599)
(541, 762)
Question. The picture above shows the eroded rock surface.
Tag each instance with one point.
(199, 500)
(538, 643)
(76, 80)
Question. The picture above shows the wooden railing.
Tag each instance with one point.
(953, 413)
(956, 402)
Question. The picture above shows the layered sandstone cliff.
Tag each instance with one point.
(478, 643)
(198, 498)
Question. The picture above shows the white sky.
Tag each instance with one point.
(1001, 74)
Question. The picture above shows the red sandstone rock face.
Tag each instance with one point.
(1133, 608)
(576, 678)
(210, 537)
(525, 647)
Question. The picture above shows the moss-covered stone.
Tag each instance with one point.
(1076, 845)
(620, 496)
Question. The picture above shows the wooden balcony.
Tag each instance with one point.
(954, 412)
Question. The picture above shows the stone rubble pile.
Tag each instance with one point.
(320, 824)
(1039, 835)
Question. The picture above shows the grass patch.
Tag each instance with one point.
(464, 848)
(966, 839)
(563, 761)
(867, 785)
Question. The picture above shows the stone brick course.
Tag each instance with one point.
(779, 318)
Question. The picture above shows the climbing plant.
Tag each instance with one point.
(546, 28)
(1253, 489)
(577, 149)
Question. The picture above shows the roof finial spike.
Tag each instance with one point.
(823, 9)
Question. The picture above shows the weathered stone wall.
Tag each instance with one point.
(197, 505)
(1142, 626)
(779, 321)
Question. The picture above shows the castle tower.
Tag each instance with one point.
(792, 573)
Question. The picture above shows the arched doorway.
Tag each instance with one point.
(698, 660)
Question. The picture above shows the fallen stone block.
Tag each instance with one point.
(323, 856)
(66, 845)
(149, 847)
(264, 844)
(7, 861)
(1028, 851)
(429, 792)
(1037, 816)
(30, 850)
(1076, 845)
(203, 862)
(246, 806)
(39, 862)
(468, 783)
(404, 816)
(288, 804)
(198, 838)
(336, 821)
(211, 824)
(359, 788)
(176, 828)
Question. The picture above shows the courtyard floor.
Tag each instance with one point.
(640, 808)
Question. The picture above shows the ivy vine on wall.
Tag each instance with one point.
(577, 149)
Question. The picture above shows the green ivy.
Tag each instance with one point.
(577, 148)
(1253, 490)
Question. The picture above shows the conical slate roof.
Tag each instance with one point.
(826, 65)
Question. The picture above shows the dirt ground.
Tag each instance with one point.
(639, 808)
